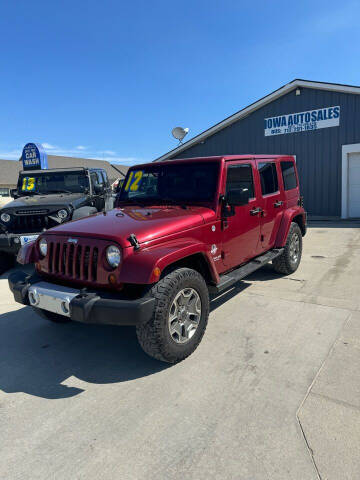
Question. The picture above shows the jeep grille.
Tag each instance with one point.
(31, 212)
(29, 223)
(73, 261)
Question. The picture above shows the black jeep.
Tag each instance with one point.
(46, 198)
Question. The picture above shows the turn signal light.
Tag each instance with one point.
(156, 272)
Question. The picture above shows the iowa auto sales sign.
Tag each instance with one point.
(303, 121)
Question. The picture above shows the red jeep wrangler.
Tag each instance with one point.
(181, 230)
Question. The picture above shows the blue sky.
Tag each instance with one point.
(110, 79)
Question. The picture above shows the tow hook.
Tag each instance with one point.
(134, 241)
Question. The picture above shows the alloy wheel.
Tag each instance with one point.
(294, 248)
(184, 315)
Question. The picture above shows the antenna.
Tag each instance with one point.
(179, 133)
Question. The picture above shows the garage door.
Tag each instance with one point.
(354, 185)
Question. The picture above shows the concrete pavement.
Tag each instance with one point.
(79, 401)
(330, 414)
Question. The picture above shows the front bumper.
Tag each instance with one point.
(10, 242)
(87, 306)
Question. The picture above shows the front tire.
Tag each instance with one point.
(180, 316)
(50, 316)
(289, 260)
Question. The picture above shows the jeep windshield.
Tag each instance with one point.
(31, 183)
(181, 183)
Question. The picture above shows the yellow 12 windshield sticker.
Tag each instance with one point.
(134, 181)
(28, 184)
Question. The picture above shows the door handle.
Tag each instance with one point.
(278, 204)
(255, 211)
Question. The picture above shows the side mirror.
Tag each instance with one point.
(98, 189)
(13, 193)
(238, 197)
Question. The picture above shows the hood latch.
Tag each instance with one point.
(134, 241)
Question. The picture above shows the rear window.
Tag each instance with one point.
(268, 178)
(288, 175)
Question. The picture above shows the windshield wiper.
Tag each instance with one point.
(172, 201)
(155, 201)
(59, 191)
(134, 201)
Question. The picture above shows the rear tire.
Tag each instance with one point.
(7, 261)
(180, 316)
(50, 316)
(289, 260)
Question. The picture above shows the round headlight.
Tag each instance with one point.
(5, 217)
(62, 213)
(43, 247)
(113, 256)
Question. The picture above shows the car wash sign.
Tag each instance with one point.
(34, 157)
(303, 121)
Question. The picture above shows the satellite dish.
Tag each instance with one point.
(179, 133)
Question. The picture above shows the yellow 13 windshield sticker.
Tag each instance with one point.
(28, 184)
(134, 181)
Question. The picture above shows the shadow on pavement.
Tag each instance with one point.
(27, 268)
(265, 273)
(37, 356)
(217, 300)
(353, 223)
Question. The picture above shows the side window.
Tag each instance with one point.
(268, 178)
(288, 175)
(94, 178)
(100, 178)
(104, 175)
(240, 176)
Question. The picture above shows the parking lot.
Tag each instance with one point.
(272, 392)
